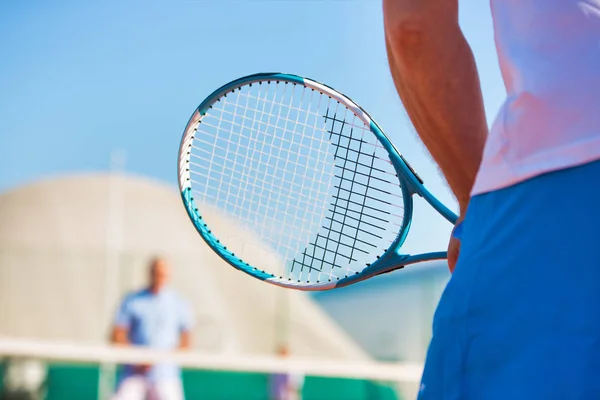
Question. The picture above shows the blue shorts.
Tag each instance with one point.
(520, 317)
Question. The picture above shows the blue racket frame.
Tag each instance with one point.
(410, 183)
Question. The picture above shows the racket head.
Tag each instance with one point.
(265, 182)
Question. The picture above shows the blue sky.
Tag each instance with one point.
(81, 78)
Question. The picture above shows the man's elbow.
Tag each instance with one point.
(412, 29)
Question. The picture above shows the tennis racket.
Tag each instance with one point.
(293, 183)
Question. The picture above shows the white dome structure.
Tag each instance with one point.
(71, 247)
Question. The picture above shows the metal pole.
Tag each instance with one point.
(114, 248)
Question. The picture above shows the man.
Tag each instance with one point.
(519, 317)
(155, 317)
(286, 386)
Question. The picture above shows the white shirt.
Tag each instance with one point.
(549, 53)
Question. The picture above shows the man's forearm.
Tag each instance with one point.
(119, 336)
(435, 74)
(185, 340)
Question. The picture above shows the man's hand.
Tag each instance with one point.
(453, 252)
(142, 369)
(120, 336)
(185, 340)
(454, 245)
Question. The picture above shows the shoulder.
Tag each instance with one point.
(133, 297)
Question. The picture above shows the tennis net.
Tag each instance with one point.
(77, 371)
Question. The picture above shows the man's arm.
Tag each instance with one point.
(120, 330)
(436, 77)
(185, 340)
(186, 326)
(120, 335)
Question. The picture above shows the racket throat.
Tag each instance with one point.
(389, 262)
(395, 261)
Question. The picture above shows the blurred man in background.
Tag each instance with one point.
(155, 317)
(286, 386)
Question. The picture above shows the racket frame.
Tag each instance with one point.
(410, 183)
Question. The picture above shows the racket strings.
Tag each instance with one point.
(303, 173)
(344, 231)
(375, 144)
(289, 198)
(336, 236)
(361, 213)
(314, 129)
(330, 229)
(282, 239)
(313, 192)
